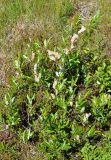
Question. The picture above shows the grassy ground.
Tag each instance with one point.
(24, 22)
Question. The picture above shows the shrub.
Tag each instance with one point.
(100, 152)
(61, 100)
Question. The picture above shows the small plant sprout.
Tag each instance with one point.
(83, 109)
(58, 74)
(25, 57)
(30, 99)
(53, 55)
(70, 89)
(77, 105)
(85, 119)
(17, 65)
(46, 42)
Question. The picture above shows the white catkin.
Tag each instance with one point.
(81, 30)
(53, 55)
(74, 39)
(35, 68)
(37, 77)
(33, 56)
(36, 74)
(54, 84)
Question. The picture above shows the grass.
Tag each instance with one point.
(64, 131)
(29, 21)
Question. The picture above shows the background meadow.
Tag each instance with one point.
(66, 114)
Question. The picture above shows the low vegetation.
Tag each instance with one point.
(57, 104)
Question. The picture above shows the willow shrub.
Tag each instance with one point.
(68, 102)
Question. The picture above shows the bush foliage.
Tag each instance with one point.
(65, 104)
(58, 96)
